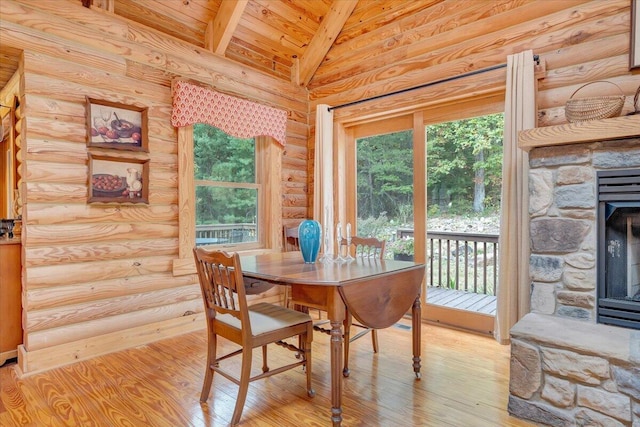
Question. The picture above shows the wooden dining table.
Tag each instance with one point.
(377, 293)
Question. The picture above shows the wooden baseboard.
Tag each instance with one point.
(459, 319)
(31, 362)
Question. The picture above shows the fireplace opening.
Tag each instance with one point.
(619, 248)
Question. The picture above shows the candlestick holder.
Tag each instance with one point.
(349, 257)
(339, 257)
(327, 255)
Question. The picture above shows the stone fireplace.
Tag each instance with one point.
(567, 367)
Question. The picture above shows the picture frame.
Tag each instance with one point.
(116, 126)
(634, 52)
(118, 179)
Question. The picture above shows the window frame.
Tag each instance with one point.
(259, 177)
(269, 157)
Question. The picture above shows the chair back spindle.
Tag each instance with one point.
(290, 243)
(365, 247)
(290, 240)
(222, 284)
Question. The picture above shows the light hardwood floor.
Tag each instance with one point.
(464, 384)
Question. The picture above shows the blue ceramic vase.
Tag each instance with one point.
(309, 236)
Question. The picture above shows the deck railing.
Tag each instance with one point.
(225, 233)
(461, 261)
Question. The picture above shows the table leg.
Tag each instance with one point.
(336, 373)
(416, 325)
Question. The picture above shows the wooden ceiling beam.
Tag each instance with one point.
(321, 42)
(220, 29)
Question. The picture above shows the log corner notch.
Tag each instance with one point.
(107, 5)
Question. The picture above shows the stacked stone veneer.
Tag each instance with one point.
(567, 370)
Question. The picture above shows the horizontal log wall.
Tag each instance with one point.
(578, 41)
(99, 277)
(107, 269)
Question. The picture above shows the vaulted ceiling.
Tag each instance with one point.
(344, 51)
(288, 39)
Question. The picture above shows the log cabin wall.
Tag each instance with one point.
(578, 41)
(99, 277)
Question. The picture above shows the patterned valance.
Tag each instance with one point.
(237, 117)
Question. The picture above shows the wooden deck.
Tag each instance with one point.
(461, 310)
(478, 303)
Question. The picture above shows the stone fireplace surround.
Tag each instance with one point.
(566, 369)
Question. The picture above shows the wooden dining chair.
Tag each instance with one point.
(290, 241)
(229, 316)
(365, 248)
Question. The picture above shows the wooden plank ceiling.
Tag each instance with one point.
(288, 39)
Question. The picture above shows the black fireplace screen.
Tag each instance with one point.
(619, 248)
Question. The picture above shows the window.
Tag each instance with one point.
(226, 196)
(227, 188)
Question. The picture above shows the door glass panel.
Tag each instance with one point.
(464, 178)
(385, 188)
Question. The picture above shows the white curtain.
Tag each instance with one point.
(323, 174)
(513, 291)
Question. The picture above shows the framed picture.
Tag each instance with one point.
(634, 53)
(116, 126)
(119, 180)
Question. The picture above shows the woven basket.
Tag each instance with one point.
(597, 107)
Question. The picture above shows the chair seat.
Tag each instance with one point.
(267, 318)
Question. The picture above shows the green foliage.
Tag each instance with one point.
(433, 210)
(222, 158)
(385, 174)
(379, 227)
(464, 171)
(459, 154)
(405, 245)
(222, 205)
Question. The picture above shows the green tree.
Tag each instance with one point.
(464, 161)
(222, 158)
(464, 169)
(385, 174)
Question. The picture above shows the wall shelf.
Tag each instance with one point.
(576, 133)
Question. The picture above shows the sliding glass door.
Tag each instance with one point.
(384, 177)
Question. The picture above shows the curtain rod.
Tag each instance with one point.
(536, 58)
